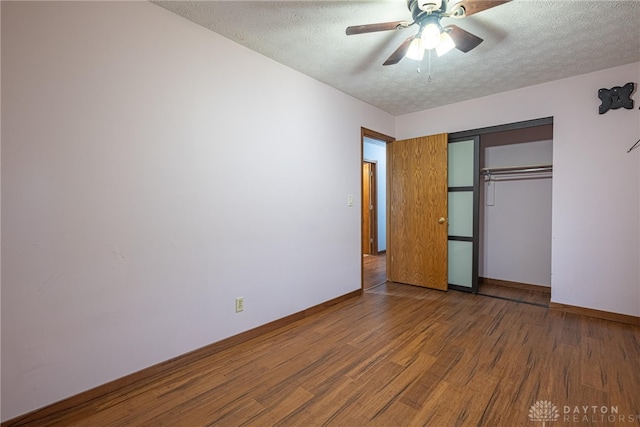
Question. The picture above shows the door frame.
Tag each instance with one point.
(368, 133)
(373, 205)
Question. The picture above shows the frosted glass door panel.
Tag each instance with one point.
(461, 213)
(460, 163)
(460, 263)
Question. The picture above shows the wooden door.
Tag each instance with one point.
(369, 222)
(417, 227)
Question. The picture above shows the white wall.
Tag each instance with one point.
(596, 197)
(0, 227)
(377, 151)
(152, 171)
(515, 238)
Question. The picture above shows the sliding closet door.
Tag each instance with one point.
(463, 211)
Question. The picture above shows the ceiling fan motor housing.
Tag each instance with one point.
(430, 6)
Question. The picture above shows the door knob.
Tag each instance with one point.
(442, 220)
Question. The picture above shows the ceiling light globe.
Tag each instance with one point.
(445, 45)
(430, 36)
(416, 50)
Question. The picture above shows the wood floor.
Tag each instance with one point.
(374, 270)
(375, 274)
(398, 356)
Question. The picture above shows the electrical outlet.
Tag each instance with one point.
(239, 304)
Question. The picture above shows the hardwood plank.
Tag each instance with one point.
(74, 404)
(398, 355)
(374, 270)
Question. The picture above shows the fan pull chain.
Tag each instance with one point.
(419, 70)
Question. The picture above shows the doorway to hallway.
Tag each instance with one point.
(374, 207)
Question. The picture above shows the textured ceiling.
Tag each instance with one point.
(526, 42)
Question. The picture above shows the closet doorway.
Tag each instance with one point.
(515, 214)
(504, 251)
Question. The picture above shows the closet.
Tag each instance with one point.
(500, 215)
(514, 251)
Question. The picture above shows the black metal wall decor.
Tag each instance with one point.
(616, 97)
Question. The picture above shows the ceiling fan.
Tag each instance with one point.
(431, 34)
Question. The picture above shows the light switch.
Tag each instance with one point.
(350, 200)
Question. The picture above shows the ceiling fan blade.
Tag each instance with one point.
(372, 28)
(400, 52)
(464, 40)
(475, 6)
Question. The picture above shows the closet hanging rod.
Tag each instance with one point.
(517, 169)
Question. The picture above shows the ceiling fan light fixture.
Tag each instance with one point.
(445, 45)
(430, 36)
(416, 50)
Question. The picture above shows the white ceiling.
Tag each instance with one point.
(526, 42)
